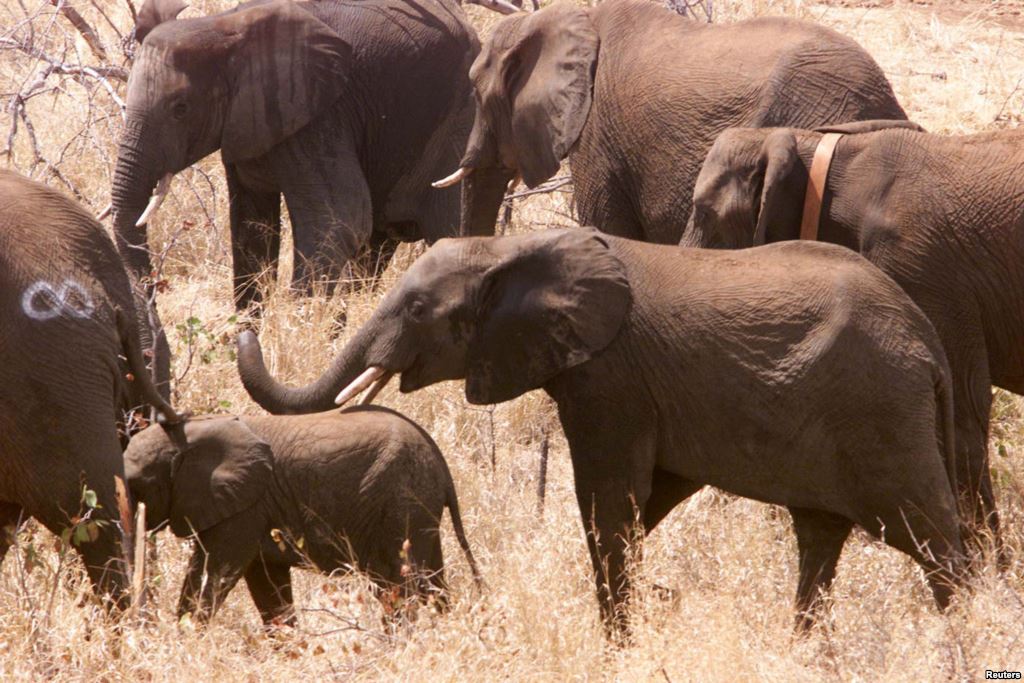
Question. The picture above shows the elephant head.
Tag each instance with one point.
(751, 187)
(223, 471)
(749, 179)
(533, 81)
(507, 314)
(240, 81)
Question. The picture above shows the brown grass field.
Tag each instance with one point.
(957, 67)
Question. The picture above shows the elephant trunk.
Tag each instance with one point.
(482, 194)
(278, 399)
(132, 186)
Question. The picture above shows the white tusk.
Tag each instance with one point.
(453, 178)
(105, 212)
(159, 194)
(376, 388)
(501, 6)
(369, 376)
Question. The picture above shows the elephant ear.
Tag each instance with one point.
(223, 472)
(548, 81)
(154, 13)
(560, 297)
(285, 67)
(777, 165)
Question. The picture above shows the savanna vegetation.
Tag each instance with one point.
(715, 588)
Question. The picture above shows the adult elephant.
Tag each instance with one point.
(941, 215)
(634, 94)
(66, 320)
(675, 368)
(348, 109)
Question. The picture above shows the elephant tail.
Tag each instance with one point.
(946, 427)
(129, 336)
(452, 503)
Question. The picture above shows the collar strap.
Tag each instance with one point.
(816, 185)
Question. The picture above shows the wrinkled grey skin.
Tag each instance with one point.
(64, 380)
(675, 368)
(634, 94)
(941, 215)
(348, 110)
(353, 485)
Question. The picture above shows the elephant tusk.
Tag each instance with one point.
(369, 376)
(463, 172)
(500, 6)
(376, 388)
(105, 212)
(159, 194)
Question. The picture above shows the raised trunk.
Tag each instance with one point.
(482, 194)
(279, 399)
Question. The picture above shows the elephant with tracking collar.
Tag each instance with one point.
(942, 215)
(633, 95)
(675, 368)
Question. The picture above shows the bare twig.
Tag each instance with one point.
(542, 476)
(87, 32)
(549, 186)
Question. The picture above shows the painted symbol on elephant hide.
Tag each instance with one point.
(44, 301)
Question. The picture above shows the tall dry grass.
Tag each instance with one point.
(730, 562)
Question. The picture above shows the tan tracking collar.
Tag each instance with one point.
(816, 185)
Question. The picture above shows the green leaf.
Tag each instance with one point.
(89, 498)
(81, 534)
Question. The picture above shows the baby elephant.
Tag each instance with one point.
(265, 493)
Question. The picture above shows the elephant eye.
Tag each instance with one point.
(179, 109)
(416, 308)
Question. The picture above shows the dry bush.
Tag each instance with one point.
(730, 562)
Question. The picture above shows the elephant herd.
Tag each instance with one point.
(788, 291)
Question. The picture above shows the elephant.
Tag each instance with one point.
(939, 214)
(674, 368)
(72, 366)
(362, 487)
(347, 109)
(601, 87)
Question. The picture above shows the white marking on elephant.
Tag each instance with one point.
(43, 301)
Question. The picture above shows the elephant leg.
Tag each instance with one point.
(221, 556)
(608, 512)
(330, 207)
(11, 516)
(667, 491)
(819, 537)
(928, 531)
(972, 401)
(270, 586)
(255, 237)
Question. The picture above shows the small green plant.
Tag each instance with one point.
(83, 527)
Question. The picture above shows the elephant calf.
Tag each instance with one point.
(795, 374)
(941, 215)
(364, 487)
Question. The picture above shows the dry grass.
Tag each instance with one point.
(730, 561)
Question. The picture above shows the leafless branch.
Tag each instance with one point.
(87, 32)
(549, 186)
